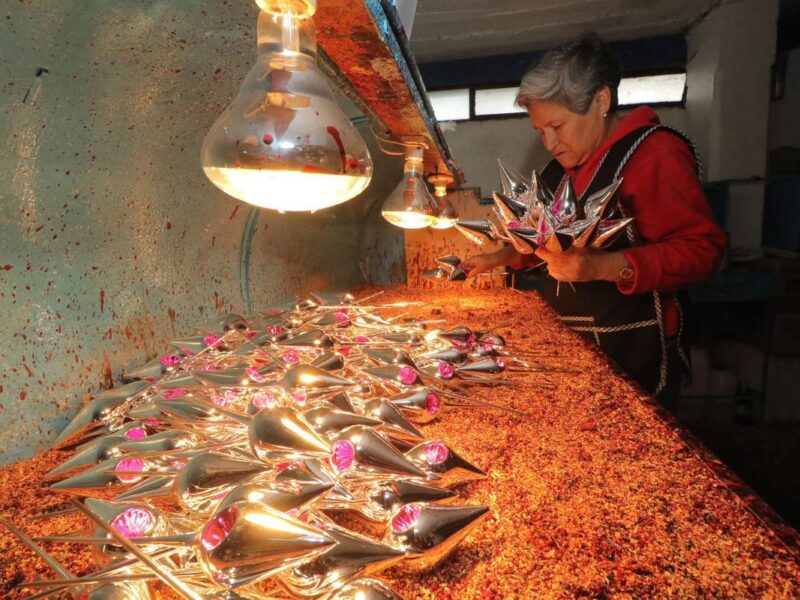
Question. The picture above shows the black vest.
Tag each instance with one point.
(629, 328)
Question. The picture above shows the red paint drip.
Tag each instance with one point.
(235, 209)
(102, 300)
(334, 133)
(7, 267)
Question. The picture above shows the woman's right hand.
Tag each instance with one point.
(480, 263)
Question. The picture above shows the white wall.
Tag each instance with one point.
(728, 74)
(784, 116)
(477, 145)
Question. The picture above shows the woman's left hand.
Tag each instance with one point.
(583, 264)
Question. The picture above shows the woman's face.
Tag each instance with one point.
(570, 137)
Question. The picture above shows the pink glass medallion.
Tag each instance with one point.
(252, 373)
(134, 522)
(209, 367)
(405, 518)
(342, 318)
(218, 528)
(361, 339)
(343, 455)
(264, 400)
(170, 360)
(344, 351)
(136, 433)
(407, 376)
(292, 357)
(251, 334)
(212, 340)
(275, 330)
(287, 465)
(432, 403)
(300, 397)
(445, 370)
(436, 453)
(514, 225)
(174, 393)
(220, 401)
(500, 363)
(130, 464)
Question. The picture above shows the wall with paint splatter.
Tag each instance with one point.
(112, 241)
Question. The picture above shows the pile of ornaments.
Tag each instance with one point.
(214, 468)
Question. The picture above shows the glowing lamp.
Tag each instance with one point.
(446, 214)
(284, 143)
(410, 205)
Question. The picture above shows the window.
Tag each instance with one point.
(496, 101)
(450, 105)
(463, 104)
(655, 89)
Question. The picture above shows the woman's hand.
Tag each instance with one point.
(583, 264)
(481, 263)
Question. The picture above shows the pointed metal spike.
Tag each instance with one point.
(479, 231)
(284, 431)
(385, 411)
(428, 533)
(512, 183)
(198, 484)
(100, 449)
(309, 377)
(353, 555)
(248, 542)
(608, 231)
(443, 464)
(87, 418)
(525, 240)
(509, 209)
(152, 370)
(315, 338)
(329, 361)
(329, 421)
(373, 454)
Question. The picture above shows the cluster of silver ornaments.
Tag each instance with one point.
(530, 215)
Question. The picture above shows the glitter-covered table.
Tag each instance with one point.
(597, 493)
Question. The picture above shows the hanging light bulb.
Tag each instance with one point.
(284, 143)
(410, 205)
(446, 214)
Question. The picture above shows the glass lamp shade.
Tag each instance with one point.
(446, 214)
(284, 143)
(410, 205)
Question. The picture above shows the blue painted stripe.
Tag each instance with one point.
(648, 55)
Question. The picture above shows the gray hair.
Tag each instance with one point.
(571, 75)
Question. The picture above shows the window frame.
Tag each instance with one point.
(490, 117)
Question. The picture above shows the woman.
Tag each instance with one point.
(622, 297)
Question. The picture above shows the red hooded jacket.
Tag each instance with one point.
(681, 243)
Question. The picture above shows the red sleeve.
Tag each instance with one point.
(682, 244)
